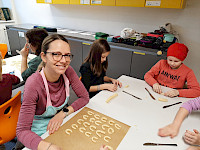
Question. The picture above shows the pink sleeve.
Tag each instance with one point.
(26, 115)
(78, 88)
(152, 73)
(193, 88)
(192, 105)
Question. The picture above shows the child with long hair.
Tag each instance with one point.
(6, 82)
(93, 70)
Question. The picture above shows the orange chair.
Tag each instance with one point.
(3, 49)
(9, 112)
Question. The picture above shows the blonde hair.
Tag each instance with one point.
(0, 67)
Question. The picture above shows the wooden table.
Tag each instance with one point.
(144, 116)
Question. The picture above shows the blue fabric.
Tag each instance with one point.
(40, 122)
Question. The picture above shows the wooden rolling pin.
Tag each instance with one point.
(111, 97)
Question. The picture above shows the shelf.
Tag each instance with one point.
(8, 21)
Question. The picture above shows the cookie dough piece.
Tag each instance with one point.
(162, 99)
(68, 131)
(85, 124)
(74, 126)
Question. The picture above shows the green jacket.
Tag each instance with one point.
(32, 67)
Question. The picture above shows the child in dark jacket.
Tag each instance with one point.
(6, 82)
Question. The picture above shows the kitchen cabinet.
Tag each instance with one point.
(80, 2)
(60, 1)
(103, 2)
(45, 1)
(76, 50)
(179, 4)
(119, 62)
(16, 40)
(40, 1)
(86, 48)
(124, 59)
(130, 3)
(142, 62)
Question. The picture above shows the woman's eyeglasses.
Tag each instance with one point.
(58, 56)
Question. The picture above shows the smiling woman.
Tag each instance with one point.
(46, 94)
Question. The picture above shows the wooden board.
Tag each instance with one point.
(98, 128)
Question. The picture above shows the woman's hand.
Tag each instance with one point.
(55, 122)
(169, 130)
(192, 138)
(117, 82)
(43, 145)
(172, 93)
(24, 52)
(103, 147)
(157, 88)
(54, 147)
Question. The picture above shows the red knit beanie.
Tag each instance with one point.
(178, 50)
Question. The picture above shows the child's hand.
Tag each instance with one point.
(117, 82)
(172, 93)
(157, 88)
(192, 138)
(24, 52)
(169, 130)
(111, 87)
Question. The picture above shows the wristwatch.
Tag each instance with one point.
(65, 110)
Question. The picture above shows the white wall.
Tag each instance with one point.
(113, 19)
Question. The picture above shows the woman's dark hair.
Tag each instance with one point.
(98, 47)
(47, 41)
(35, 38)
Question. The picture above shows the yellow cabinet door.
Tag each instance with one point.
(79, 2)
(103, 2)
(166, 3)
(60, 1)
(40, 1)
(130, 3)
(173, 3)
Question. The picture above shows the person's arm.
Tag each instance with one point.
(173, 128)
(24, 53)
(15, 80)
(149, 77)
(78, 88)
(193, 88)
(33, 65)
(26, 115)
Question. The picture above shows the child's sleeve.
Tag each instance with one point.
(86, 77)
(15, 80)
(192, 105)
(193, 88)
(149, 77)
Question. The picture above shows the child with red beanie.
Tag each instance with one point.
(174, 74)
